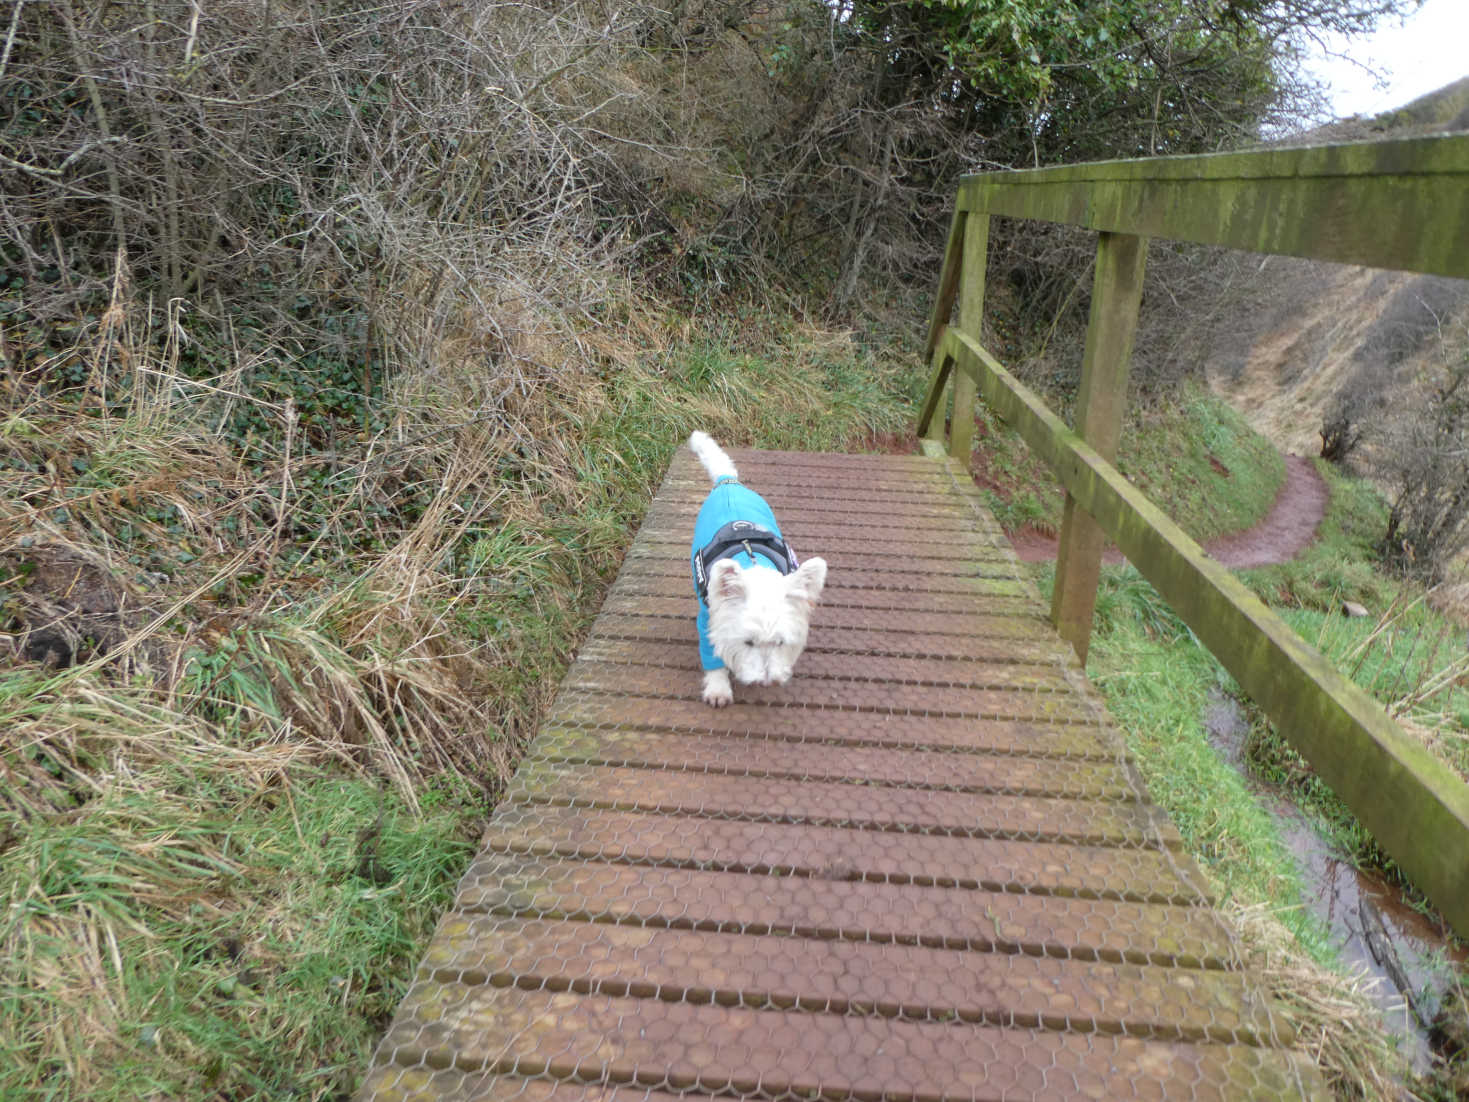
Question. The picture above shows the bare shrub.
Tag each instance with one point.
(1427, 458)
(1340, 435)
(349, 177)
(1195, 299)
(1404, 402)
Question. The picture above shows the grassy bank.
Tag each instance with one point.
(1162, 686)
(1216, 475)
(1189, 452)
(265, 683)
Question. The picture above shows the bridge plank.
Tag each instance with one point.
(1040, 648)
(860, 803)
(1042, 865)
(1034, 922)
(771, 1053)
(768, 759)
(927, 670)
(836, 726)
(893, 979)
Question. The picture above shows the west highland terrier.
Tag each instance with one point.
(755, 600)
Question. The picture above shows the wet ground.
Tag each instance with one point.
(1374, 929)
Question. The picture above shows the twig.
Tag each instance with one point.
(36, 170)
(10, 36)
(193, 32)
(280, 515)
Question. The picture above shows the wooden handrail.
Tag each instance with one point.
(1395, 204)
(1400, 204)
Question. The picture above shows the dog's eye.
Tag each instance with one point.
(751, 643)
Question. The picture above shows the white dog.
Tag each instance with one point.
(755, 601)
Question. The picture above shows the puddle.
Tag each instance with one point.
(1374, 930)
(1225, 724)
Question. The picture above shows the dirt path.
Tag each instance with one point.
(1285, 531)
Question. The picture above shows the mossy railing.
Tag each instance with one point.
(1394, 204)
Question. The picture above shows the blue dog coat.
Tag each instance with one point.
(734, 523)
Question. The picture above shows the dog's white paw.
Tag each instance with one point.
(717, 690)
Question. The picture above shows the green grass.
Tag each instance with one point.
(1200, 462)
(1157, 682)
(1192, 454)
(242, 942)
(1411, 659)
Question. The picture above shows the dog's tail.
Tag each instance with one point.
(712, 456)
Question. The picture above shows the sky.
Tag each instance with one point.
(1426, 52)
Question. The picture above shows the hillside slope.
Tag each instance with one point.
(1310, 338)
(1293, 341)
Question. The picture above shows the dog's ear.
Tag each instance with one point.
(726, 581)
(807, 582)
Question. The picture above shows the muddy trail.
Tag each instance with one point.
(1281, 535)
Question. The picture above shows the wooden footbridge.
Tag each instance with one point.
(924, 870)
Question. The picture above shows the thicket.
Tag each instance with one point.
(355, 176)
(1426, 457)
(1414, 431)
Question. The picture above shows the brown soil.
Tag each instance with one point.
(1285, 531)
(891, 443)
(67, 607)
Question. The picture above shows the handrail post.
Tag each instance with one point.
(931, 415)
(971, 321)
(1116, 295)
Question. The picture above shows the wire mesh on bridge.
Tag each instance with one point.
(923, 870)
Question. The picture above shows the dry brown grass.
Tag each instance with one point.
(1334, 1020)
(145, 546)
(186, 660)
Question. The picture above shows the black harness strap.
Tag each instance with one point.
(737, 536)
